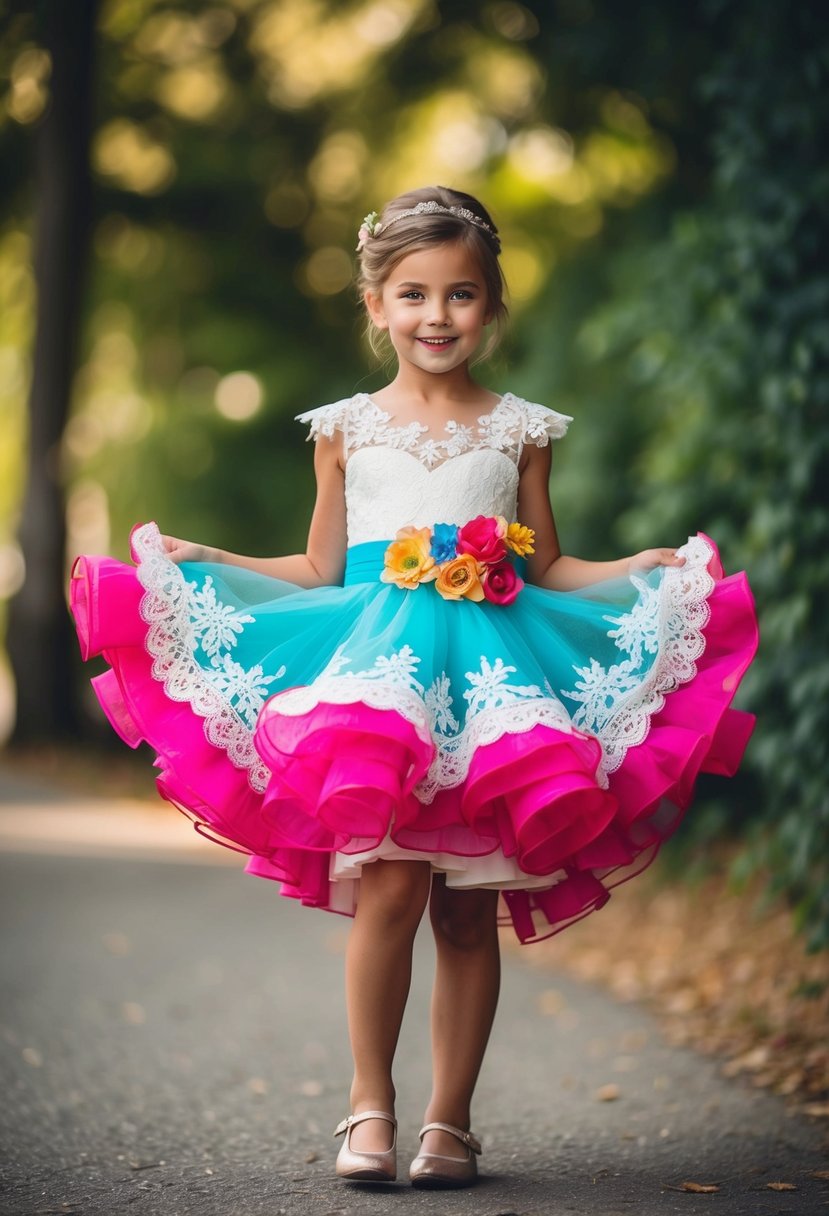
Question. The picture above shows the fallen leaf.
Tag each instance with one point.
(781, 1186)
(820, 1174)
(818, 1110)
(700, 1188)
(608, 1093)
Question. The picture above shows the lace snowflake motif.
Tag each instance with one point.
(246, 688)
(510, 424)
(598, 692)
(215, 625)
(638, 630)
(397, 668)
(439, 702)
(489, 687)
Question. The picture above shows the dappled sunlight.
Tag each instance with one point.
(337, 172)
(506, 79)
(239, 396)
(87, 519)
(111, 410)
(134, 159)
(197, 91)
(327, 271)
(28, 85)
(524, 270)
(177, 38)
(306, 50)
(17, 297)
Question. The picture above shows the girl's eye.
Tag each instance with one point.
(412, 295)
(460, 294)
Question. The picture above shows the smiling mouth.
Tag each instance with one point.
(437, 343)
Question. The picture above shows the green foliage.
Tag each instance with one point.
(711, 349)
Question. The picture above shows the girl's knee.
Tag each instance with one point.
(396, 890)
(465, 920)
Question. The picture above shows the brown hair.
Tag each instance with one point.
(395, 241)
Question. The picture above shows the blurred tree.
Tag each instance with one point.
(39, 635)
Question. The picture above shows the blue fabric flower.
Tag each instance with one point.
(444, 540)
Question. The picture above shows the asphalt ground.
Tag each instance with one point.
(172, 1041)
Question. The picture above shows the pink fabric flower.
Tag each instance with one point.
(500, 583)
(483, 537)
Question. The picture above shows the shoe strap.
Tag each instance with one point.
(353, 1120)
(465, 1137)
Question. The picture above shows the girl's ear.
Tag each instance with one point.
(374, 308)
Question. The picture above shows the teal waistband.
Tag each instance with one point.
(364, 563)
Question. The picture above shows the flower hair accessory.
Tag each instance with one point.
(371, 225)
(471, 562)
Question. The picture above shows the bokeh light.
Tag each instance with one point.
(239, 396)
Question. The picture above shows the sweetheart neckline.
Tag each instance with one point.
(386, 448)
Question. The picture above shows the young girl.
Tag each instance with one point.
(431, 705)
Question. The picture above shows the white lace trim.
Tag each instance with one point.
(509, 425)
(171, 639)
(617, 704)
(453, 755)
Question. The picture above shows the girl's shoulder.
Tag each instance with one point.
(512, 421)
(528, 420)
(342, 416)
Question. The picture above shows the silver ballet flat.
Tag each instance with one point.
(366, 1167)
(434, 1170)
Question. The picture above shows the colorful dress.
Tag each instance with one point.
(544, 747)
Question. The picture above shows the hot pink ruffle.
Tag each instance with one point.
(344, 776)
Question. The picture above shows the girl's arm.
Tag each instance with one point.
(547, 567)
(323, 562)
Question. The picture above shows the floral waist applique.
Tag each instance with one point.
(472, 562)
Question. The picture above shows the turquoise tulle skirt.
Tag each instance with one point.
(558, 737)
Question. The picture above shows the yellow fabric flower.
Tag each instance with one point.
(460, 579)
(407, 561)
(520, 539)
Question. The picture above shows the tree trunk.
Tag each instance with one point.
(39, 636)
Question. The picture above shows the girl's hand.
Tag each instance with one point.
(186, 551)
(649, 559)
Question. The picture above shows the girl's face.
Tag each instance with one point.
(434, 305)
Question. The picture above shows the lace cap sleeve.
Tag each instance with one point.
(326, 419)
(542, 424)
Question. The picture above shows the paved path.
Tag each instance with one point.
(172, 1041)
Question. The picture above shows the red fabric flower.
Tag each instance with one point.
(500, 583)
(483, 538)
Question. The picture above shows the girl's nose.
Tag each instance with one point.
(439, 315)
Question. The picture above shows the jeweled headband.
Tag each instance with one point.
(372, 227)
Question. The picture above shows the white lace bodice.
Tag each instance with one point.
(398, 475)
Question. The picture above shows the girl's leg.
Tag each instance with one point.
(464, 999)
(378, 970)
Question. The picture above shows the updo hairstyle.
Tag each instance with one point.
(413, 233)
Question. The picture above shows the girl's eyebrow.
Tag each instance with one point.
(451, 286)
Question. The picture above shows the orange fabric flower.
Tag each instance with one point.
(460, 579)
(407, 561)
(520, 539)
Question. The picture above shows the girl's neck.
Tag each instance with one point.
(433, 392)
